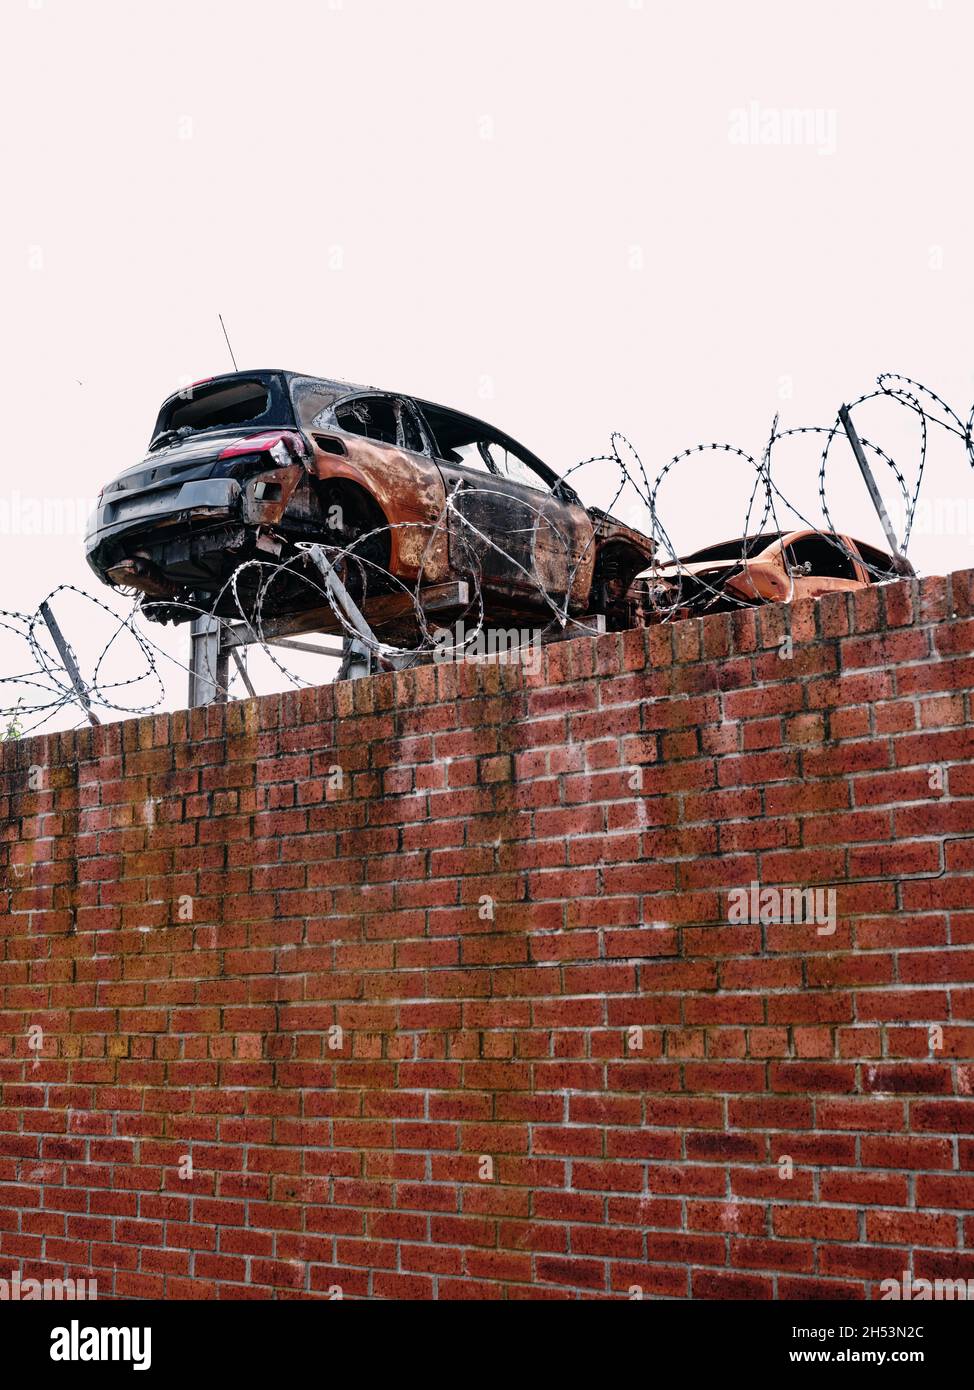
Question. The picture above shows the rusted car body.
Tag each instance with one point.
(247, 465)
(775, 567)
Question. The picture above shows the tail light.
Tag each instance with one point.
(282, 445)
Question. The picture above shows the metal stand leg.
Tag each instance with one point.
(356, 661)
(208, 663)
(212, 643)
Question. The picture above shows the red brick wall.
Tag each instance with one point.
(490, 1121)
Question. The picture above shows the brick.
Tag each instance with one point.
(592, 1088)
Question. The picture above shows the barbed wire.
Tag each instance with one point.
(252, 594)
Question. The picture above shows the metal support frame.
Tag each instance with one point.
(214, 643)
(240, 661)
(357, 656)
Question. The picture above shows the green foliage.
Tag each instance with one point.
(14, 728)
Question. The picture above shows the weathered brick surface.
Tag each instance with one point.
(472, 1019)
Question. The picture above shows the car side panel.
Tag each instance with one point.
(257, 511)
(536, 544)
(815, 585)
(409, 491)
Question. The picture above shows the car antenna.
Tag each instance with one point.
(227, 336)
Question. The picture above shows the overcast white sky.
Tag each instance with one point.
(565, 216)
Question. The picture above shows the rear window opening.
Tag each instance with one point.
(233, 403)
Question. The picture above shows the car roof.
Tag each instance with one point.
(760, 539)
(350, 388)
(347, 388)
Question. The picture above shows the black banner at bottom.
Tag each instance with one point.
(77, 1339)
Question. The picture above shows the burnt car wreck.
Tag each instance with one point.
(400, 493)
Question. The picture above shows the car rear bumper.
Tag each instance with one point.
(121, 513)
